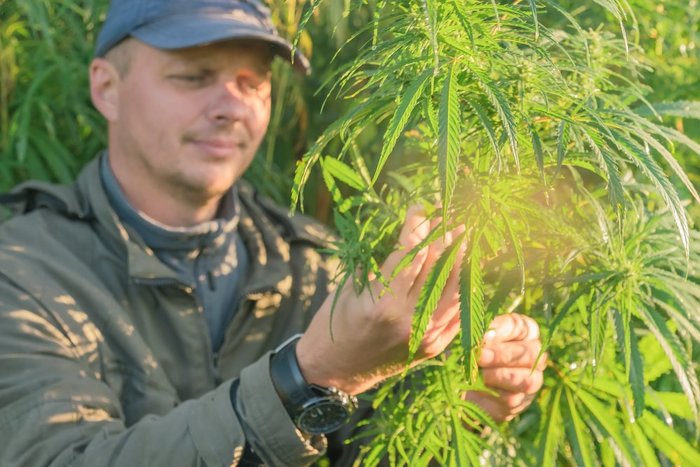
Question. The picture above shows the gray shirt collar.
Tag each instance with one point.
(162, 237)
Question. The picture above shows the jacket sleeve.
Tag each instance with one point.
(54, 411)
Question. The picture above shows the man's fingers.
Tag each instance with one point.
(448, 306)
(521, 380)
(502, 407)
(435, 250)
(510, 355)
(448, 318)
(512, 327)
(510, 365)
(542, 362)
(436, 339)
(415, 229)
(490, 404)
(445, 321)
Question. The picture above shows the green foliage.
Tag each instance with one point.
(413, 427)
(529, 125)
(555, 132)
(431, 293)
(48, 128)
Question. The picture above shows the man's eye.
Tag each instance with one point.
(190, 78)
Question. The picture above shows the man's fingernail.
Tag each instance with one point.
(486, 356)
(489, 335)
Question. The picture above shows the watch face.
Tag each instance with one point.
(322, 416)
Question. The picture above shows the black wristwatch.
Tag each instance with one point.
(313, 409)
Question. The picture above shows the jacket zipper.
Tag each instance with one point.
(212, 356)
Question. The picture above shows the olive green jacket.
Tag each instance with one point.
(105, 357)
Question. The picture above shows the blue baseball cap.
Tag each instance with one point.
(178, 24)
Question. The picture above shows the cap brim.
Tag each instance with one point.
(182, 31)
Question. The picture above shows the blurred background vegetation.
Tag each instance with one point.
(49, 129)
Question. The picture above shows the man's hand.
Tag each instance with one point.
(371, 331)
(510, 351)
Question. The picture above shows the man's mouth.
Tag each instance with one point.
(218, 147)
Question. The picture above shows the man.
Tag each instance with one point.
(144, 309)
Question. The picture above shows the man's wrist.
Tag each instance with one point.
(315, 370)
(286, 375)
(313, 409)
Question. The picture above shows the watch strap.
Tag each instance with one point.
(289, 382)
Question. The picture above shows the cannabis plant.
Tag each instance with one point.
(534, 133)
(550, 129)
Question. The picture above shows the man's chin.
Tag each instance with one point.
(204, 190)
(207, 180)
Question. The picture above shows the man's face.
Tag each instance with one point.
(189, 122)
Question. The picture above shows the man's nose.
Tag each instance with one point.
(228, 103)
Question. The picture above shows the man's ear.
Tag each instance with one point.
(104, 88)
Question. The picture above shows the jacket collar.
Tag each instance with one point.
(267, 230)
(142, 263)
